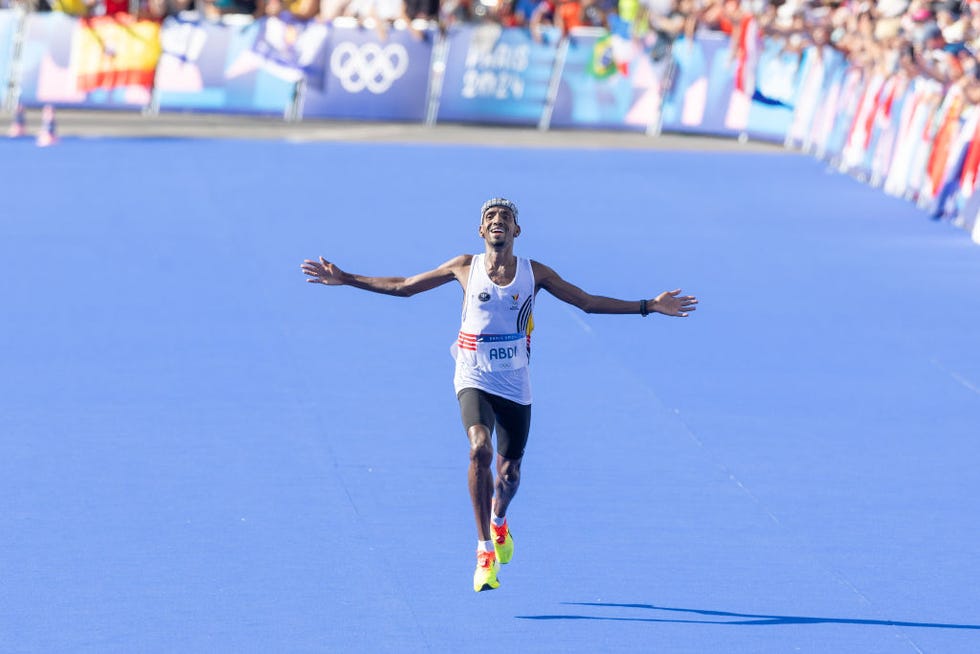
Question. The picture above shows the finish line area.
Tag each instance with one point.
(202, 452)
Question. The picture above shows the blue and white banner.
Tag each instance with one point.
(817, 69)
(45, 61)
(496, 75)
(8, 24)
(848, 100)
(610, 82)
(700, 90)
(253, 68)
(777, 85)
(702, 97)
(293, 48)
(368, 78)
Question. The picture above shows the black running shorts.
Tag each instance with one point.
(511, 419)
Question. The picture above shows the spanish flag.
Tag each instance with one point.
(115, 51)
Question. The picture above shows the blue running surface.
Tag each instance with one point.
(202, 453)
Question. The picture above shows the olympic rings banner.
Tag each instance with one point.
(97, 62)
(496, 75)
(253, 68)
(373, 79)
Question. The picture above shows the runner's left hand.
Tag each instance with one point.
(672, 303)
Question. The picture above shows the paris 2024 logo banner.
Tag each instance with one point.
(497, 75)
(370, 78)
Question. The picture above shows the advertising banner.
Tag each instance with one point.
(252, 68)
(818, 68)
(859, 134)
(968, 202)
(923, 135)
(714, 92)
(905, 136)
(292, 49)
(969, 213)
(609, 82)
(496, 75)
(886, 129)
(368, 78)
(696, 99)
(841, 116)
(97, 62)
(8, 23)
(826, 112)
(777, 85)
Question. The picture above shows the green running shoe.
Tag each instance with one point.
(485, 577)
(503, 543)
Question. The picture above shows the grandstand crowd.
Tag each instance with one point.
(935, 39)
(917, 55)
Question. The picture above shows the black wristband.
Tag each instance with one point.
(643, 308)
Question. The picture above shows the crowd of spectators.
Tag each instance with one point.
(934, 38)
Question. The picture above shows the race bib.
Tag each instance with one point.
(492, 352)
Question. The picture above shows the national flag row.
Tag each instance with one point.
(910, 136)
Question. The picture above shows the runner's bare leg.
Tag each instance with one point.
(508, 479)
(480, 478)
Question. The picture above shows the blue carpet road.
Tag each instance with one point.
(199, 452)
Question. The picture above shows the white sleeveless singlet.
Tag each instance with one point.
(494, 343)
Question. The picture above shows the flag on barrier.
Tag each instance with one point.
(293, 48)
(947, 126)
(746, 58)
(115, 51)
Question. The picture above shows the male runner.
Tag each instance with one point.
(492, 351)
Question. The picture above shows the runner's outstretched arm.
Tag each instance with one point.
(669, 303)
(327, 273)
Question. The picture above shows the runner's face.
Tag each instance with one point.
(498, 226)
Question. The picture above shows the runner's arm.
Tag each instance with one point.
(669, 303)
(327, 273)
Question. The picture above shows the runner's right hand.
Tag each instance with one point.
(322, 272)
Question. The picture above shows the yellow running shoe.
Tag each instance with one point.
(485, 577)
(503, 543)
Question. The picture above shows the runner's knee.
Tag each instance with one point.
(481, 446)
